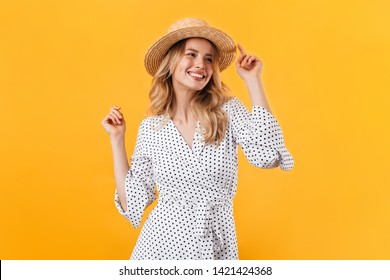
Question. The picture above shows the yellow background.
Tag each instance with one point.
(63, 64)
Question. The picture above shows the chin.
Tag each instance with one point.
(199, 87)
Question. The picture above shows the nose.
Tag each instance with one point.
(200, 63)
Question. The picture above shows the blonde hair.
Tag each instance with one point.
(207, 103)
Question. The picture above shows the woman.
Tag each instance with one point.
(188, 147)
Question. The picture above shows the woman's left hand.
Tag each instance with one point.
(248, 66)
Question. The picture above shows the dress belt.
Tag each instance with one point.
(206, 221)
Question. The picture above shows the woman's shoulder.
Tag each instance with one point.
(152, 118)
(152, 123)
(231, 103)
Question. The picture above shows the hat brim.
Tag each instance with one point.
(224, 43)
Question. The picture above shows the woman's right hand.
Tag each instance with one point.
(114, 123)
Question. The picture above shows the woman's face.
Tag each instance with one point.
(195, 67)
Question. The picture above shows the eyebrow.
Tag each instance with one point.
(189, 49)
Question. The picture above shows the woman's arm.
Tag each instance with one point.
(249, 68)
(258, 132)
(115, 125)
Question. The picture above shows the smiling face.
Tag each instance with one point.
(195, 67)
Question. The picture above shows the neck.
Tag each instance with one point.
(182, 109)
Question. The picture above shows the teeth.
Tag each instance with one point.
(196, 75)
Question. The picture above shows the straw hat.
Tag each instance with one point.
(189, 28)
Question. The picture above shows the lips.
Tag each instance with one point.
(197, 76)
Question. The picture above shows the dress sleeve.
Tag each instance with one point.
(139, 184)
(260, 136)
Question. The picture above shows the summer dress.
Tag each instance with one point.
(193, 218)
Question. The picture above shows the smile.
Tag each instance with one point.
(196, 75)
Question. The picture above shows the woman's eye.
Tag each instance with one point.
(209, 60)
(191, 54)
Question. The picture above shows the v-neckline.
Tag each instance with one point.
(182, 137)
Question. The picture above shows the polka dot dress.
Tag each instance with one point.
(193, 218)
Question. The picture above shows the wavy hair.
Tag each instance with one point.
(206, 104)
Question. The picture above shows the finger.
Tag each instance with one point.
(116, 113)
(241, 49)
(105, 120)
(115, 107)
(244, 63)
(252, 59)
(241, 60)
(114, 121)
(114, 118)
(110, 120)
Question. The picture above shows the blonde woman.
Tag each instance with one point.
(187, 148)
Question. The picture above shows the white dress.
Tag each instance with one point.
(193, 218)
